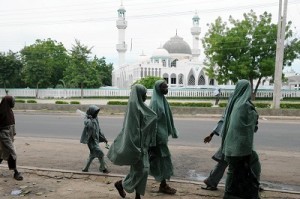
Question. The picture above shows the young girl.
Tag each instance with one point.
(92, 136)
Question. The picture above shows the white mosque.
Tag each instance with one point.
(175, 61)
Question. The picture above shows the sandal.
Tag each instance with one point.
(209, 188)
(105, 171)
(120, 189)
(167, 189)
(18, 176)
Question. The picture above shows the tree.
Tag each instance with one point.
(44, 63)
(82, 71)
(10, 69)
(105, 71)
(148, 81)
(246, 49)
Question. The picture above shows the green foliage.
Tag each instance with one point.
(148, 81)
(74, 102)
(61, 102)
(290, 105)
(82, 72)
(10, 70)
(105, 71)
(191, 104)
(19, 101)
(116, 103)
(222, 104)
(31, 101)
(262, 105)
(44, 63)
(245, 49)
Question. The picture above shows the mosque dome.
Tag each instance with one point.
(143, 58)
(160, 53)
(121, 8)
(176, 45)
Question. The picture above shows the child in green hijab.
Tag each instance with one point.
(161, 166)
(92, 136)
(132, 144)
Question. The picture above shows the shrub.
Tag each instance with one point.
(74, 102)
(19, 101)
(191, 104)
(31, 102)
(262, 105)
(290, 105)
(222, 104)
(116, 103)
(61, 102)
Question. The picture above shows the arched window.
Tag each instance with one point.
(201, 80)
(173, 78)
(142, 72)
(180, 79)
(191, 81)
(166, 77)
(173, 64)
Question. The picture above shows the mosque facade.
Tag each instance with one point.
(175, 61)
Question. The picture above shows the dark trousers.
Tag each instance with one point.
(241, 182)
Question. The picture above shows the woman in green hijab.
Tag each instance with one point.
(161, 166)
(132, 144)
(240, 124)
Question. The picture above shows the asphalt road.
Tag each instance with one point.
(276, 135)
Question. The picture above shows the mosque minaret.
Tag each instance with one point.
(196, 30)
(121, 25)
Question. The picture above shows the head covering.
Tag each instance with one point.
(6, 114)
(165, 123)
(91, 125)
(139, 122)
(239, 122)
(93, 111)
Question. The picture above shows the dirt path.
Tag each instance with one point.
(67, 157)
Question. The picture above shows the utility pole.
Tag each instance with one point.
(279, 54)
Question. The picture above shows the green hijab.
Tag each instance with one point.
(139, 121)
(165, 124)
(239, 122)
(91, 125)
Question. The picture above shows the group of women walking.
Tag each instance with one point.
(143, 142)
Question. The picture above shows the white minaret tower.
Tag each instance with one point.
(196, 30)
(121, 25)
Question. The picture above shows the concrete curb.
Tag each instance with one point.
(59, 173)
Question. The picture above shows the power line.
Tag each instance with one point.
(136, 17)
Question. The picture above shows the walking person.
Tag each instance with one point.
(217, 93)
(92, 136)
(239, 126)
(7, 135)
(216, 174)
(161, 167)
(132, 144)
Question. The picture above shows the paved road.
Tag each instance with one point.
(279, 135)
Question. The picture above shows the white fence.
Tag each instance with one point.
(73, 93)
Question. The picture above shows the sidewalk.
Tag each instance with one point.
(52, 169)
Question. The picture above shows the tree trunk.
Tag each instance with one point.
(37, 91)
(81, 90)
(256, 88)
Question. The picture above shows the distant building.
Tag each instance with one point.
(293, 80)
(175, 61)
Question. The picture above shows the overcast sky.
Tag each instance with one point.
(150, 22)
